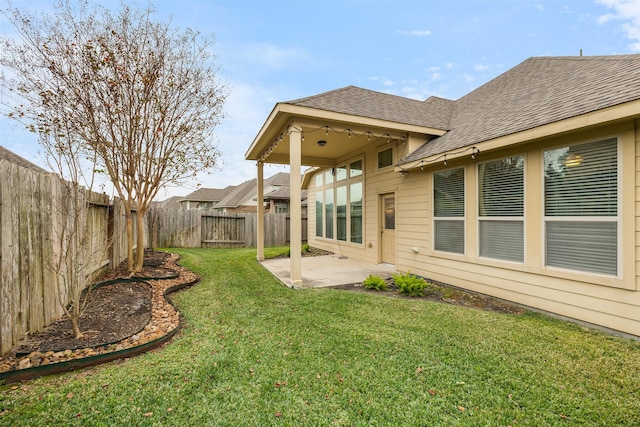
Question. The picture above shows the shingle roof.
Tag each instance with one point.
(239, 194)
(283, 193)
(279, 179)
(20, 161)
(208, 194)
(377, 105)
(537, 92)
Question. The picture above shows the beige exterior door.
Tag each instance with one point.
(388, 229)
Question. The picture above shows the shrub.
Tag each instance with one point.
(376, 283)
(305, 247)
(410, 285)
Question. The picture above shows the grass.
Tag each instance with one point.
(254, 352)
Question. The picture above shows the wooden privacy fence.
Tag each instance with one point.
(205, 229)
(33, 217)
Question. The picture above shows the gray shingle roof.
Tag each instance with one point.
(20, 161)
(537, 92)
(208, 194)
(239, 194)
(377, 105)
(283, 193)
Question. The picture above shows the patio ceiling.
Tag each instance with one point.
(326, 136)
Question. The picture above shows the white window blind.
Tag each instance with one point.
(448, 207)
(501, 209)
(581, 207)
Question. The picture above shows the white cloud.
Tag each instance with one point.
(539, 7)
(273, 56)
(481, 67)
(419, 33)
(606, 18)
(436, 76)
(627, 11)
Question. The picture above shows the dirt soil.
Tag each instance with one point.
(446, 294)
(123, 311)
(114, 312)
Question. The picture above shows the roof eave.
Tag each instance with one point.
(283, 113)
(608, 115)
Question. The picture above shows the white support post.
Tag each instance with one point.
(260, 213)
(295, 160)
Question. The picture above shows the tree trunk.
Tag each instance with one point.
(140, 239)
(76, 328)
(129, 239)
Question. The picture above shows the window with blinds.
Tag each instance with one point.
(501, 209)
(448, 210)
(581, 207)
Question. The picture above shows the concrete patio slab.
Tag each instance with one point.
(327, 270)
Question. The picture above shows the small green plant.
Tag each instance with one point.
(376, 283)
(305, 247)
(409, 284)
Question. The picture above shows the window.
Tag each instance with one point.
(501, 209)
(355, 169)
(581, 207)
(328, 212)
(341, 212)
(319, 216)
(355, 211)
(339, 202)
(448, 210)
(385, 158)
(282, 207)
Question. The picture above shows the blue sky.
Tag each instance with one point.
(271, 51)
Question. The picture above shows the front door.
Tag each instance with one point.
(388, 232)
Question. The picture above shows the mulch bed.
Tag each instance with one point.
(124, 312)
(440, 292)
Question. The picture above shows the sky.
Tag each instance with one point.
(278, 50)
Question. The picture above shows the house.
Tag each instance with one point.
(524, 189)
(205, 198)
(243, 198)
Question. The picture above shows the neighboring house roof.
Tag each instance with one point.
(537, 92)
(283, 193)
(208, 194)
(170, 203)
(238, 195)
(281, 179)
(20, 161)
(376, 105)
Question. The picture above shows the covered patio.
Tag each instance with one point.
(326, 270)
(316, 132)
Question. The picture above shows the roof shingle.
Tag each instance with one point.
(537, 92)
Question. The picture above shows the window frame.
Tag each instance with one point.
(393, 158)
(332, 186)
(462, 219)
(480, 219)
(618, 219)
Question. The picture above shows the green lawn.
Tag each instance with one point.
(254, 352)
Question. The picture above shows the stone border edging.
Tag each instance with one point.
(84, 362)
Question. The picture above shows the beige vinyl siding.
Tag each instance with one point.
(612, 302)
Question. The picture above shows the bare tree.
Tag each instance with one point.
(78, 248)
(142, 97)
